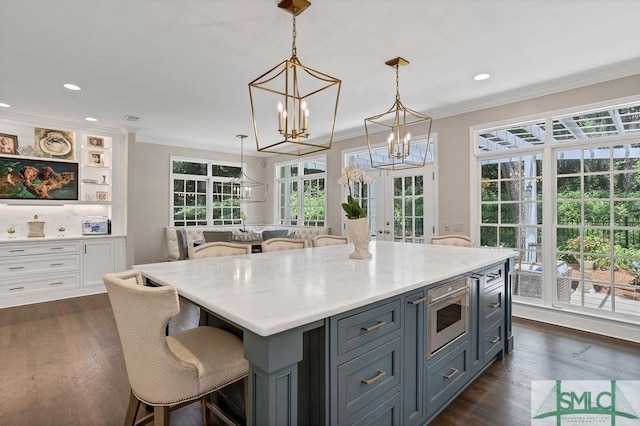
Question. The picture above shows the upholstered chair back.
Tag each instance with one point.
(213, 236)
(328, 240)
(220, 248)
(279, 244)
(452, 240)
(156, 375)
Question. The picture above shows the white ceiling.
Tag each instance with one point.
(183, 66)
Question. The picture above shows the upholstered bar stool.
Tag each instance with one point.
(220, 248)
(169, 372)
(279, 244)
(452, 240)
(328, 240)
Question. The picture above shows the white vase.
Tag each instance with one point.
(359, 234)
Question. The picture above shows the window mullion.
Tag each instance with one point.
(549, 217)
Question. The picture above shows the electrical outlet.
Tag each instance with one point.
(457, 226)
(447, 226)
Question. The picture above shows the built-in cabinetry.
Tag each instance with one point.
(95, 168)
(40, 270)
(382, 367)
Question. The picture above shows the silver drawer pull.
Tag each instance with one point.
(57, 248)
(13, 268)
(495, 339)
(57, 264)
(418, 301)
(16, 288)
(475, 276)
(450, 376)
(16, 251)
(374, 379)
(494, 305)
(57, 283)
(493, 275)
(374, 327)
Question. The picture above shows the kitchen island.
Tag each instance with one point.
(334, 340)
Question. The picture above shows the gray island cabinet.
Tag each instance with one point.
(330, 340)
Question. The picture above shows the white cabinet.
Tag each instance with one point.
(98, 258)
(33, 270)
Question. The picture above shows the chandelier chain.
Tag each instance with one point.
(397, 83)
(294, 33)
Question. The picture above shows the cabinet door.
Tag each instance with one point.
(414, 344)
(97, 260)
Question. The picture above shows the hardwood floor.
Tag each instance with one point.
(61, 364)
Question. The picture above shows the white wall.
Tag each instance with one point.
(149, 200)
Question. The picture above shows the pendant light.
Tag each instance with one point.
(293, 106)
(403, 132)
(244, 188)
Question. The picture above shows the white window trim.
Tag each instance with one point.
(619, 327)
(300, 179)
(208, 177)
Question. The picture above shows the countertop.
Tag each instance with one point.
(268, 293)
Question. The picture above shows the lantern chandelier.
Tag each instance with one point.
(289, 98)
(394, 129)
(244, 188)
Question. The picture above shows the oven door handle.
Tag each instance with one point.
(452, 294)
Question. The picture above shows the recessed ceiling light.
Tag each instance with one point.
(71, 86)
(3, 105)
(481, 77)
(91, 119)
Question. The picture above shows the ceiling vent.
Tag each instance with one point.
(131, 118)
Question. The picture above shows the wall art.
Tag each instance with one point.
(22, 179)
(57, 144)
(8, 144)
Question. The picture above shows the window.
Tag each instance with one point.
(592, 234)
(202, 193)
(301, 198)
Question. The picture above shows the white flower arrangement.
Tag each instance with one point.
(351, 175)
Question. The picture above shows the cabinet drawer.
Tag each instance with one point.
(367, 377)
(35, 284)
(385, 412)
(447, 376)
(30, 249)
(39, 264)
(491, 309)
(494, 276)
(364, 327)
(493, 341)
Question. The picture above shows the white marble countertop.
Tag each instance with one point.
(268, 293)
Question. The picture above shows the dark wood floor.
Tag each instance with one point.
(61, 364)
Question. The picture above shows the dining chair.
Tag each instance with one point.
(212, 236)
(279, 244)
(220, 248)
(328, 240)
(452, 240)
(169, 372)
(275, 233)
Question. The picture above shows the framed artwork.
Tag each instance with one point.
(102, 196)
(8, 144)
(96, 158)
(57, 144)
(37, 179)
(95, 141)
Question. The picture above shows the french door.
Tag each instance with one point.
(402, 205)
